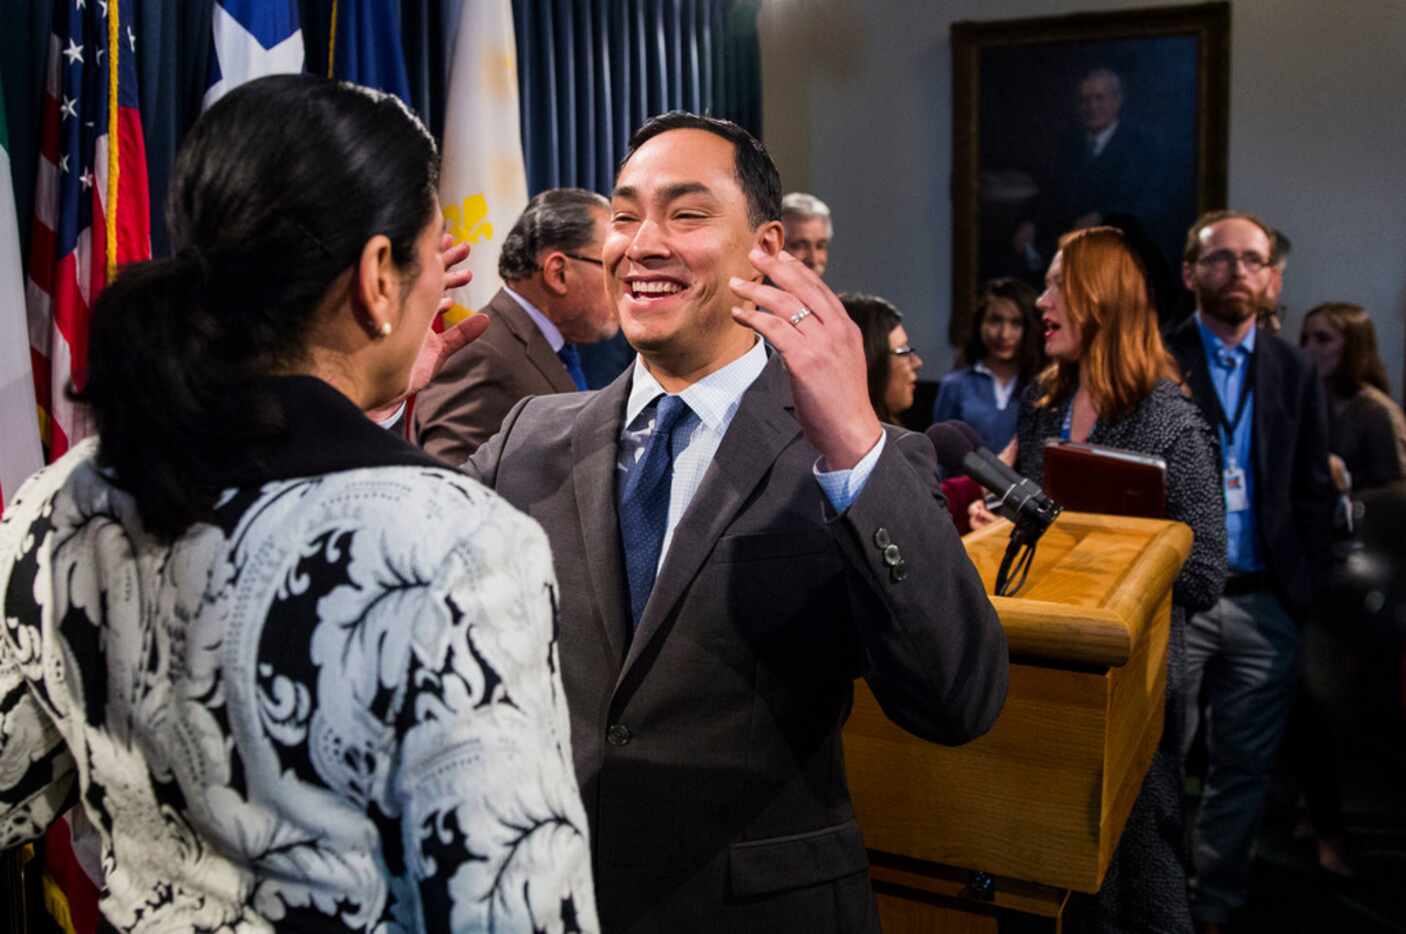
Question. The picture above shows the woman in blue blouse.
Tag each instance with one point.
(1004, 352)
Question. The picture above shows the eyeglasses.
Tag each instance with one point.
(902, 351)
(585, 259)
(1224, 260)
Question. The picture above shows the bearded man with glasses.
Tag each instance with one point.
(1267, 402)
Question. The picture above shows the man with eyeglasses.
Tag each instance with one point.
(553, 298)
(1266, 399)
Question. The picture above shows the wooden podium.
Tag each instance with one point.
(960, 838)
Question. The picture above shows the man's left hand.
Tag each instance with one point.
(824, 354)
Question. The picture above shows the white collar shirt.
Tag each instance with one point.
(544, 324)
(1003, 391)
(713, 402)
(1099, 141)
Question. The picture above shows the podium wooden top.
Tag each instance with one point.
(1095, 583)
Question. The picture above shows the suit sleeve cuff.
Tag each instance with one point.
(843, 487)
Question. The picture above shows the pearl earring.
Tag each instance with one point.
(385, 329)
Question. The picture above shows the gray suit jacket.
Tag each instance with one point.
(468, 399)
(708, 744)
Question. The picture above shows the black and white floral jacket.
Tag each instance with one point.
(336, 707)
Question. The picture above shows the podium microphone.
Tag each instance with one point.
(1018, 498)
(1021, 501)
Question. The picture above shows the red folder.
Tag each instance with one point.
(1095, 478)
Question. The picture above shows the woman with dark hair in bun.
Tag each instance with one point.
(297, 674)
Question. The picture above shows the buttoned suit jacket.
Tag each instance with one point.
(1292, 487)
(466, 402)
(708, 744)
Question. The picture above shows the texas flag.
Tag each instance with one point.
(252, 38)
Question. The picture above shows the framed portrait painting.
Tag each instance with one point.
(1092, 118)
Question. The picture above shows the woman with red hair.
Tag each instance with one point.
(1111, 382)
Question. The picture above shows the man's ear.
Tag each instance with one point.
(771, 237)
(376, 287)
(554, 272)
(1188, 278)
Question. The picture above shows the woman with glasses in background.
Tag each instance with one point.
(890, 360)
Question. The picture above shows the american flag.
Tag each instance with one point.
(91, 208)
(91, 215)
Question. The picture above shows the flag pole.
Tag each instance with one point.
(114, 164)
(332, 41)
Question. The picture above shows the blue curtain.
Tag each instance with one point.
(591, 71)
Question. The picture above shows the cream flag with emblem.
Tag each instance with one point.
(483, 185)
(20, 454)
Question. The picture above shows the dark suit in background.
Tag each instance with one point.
(1121, 179)
(1294, 492)
(1241, 653)
(708, 743)
(469, 398)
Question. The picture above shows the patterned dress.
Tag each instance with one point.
(1145, 887)
(336, 707)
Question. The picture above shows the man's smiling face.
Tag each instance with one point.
(679, 229)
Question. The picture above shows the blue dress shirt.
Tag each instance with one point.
(969, 395)
(1228, 367)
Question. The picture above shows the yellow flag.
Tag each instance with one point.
(483, 185)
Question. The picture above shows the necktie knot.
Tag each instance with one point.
(1226, 359)
(668, 413)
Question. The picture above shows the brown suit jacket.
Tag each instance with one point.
(473, 392)
(708, 744)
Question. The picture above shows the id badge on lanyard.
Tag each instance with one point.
(1237, 497)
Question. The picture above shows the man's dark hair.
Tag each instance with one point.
(1192, 251)
(556, 219)
(1283, 246)
(756, 173)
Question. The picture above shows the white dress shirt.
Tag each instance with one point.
(544, 324)
(1098, 141)
(1003, 391)
(712, 403)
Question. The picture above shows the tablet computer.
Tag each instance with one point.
(1095, 478)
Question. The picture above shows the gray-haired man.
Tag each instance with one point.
(806, 220)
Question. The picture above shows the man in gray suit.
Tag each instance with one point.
(553, 299)
(736, 539)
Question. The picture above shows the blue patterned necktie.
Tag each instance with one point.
(644, 506)
(571, 358)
